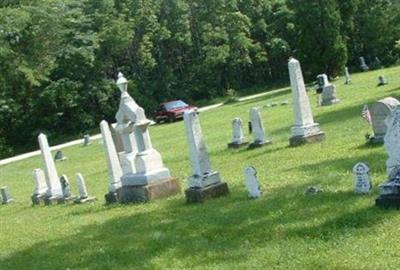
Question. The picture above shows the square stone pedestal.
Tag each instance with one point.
(37, 199)
(388, 201)
(254, 145)
(196, 195)
(299, 140)
(54, 200)
(233, 145)
(146, 193)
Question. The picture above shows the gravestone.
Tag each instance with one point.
(40, 191)
(259, 135)
(59, 156)
(83, 193)
(377, 63)
(147, 178)
(238, 139)
(252, 183)
(363, 64)
(86, 140)
(379, 112)
(66, 188)
(347, 75)
(362, 178)
(54, 191)
(322, 80)
(6, 195)
(305, 130)
(390, 190)
(114, 167)
(205, 183)
(382, 80)
(328, 91)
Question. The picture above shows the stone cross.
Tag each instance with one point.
(114, 167)
(363, 64)
(362, 178)
(252, 183)
(86, 140)
(6, 195)
(40, 190)
(348, 76)
(260, 138)
(54, 190)
(66, 188)
(238, 139)
(203, 175)
(304, 128)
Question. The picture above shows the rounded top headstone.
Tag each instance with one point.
(361, 168)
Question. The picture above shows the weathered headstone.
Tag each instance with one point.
(238, 139)
(390, 190)
(347, 75)
(328, 90)
(54, 191)
(305, 129)
(114, 167)
(148, 179)
(6, 195)
(377, 63)
(259, 134)
(379, 112)
(66, 188)
(205, 183)
(83, 193)
(59, 156)
(86, 140)
(362, 178)
(382, 80)
(40, 191)
(252, 183)
(363, 64)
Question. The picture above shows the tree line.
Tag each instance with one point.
(59, 58)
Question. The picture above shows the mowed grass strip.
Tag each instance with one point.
(285, 229)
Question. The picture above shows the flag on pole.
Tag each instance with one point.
(366, 114)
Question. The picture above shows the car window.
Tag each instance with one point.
(175, 104)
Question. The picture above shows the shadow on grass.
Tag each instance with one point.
(208, 234)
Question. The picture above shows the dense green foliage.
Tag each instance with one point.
(59, 58)
(285, 229)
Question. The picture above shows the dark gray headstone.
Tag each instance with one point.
(6, 195)
(59, 156)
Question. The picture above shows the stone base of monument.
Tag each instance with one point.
(257, 144)
(388, 201)
(375, 140)
(37, 199)
(234, 145)
(111, 197)
(199, 195)
(329, 102)
(84, 200)
(54, 200)
(150, 192)
(299, 140)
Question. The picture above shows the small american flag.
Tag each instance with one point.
(366, 114)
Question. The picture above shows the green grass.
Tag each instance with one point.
(285, 229)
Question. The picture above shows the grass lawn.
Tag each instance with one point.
(285, 229)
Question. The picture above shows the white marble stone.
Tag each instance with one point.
(83, 193)
(363, 64)
(380, 110)
(6, 195)
(54, 190)
(392, 139)
(304, 122)
(257, 125)
(40, 183)
(203, 175)
(114, 167)
(237, 131)
(252, 183)
(347, 75)
(362, 178)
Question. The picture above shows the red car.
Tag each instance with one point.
(172, 110)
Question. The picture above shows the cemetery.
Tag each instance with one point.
(174, 196)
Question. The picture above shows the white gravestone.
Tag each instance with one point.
(328, 91)
(363, 64)
(238, 139)
(362, 178)
(305, 129)
(259, 134)
(54, 191)
(40, 190)
(6, 195)
(147, 169)
(114, 167)
(347, 75)
(83, 192)
(205, 182)
(252, 183)
(379, 112)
